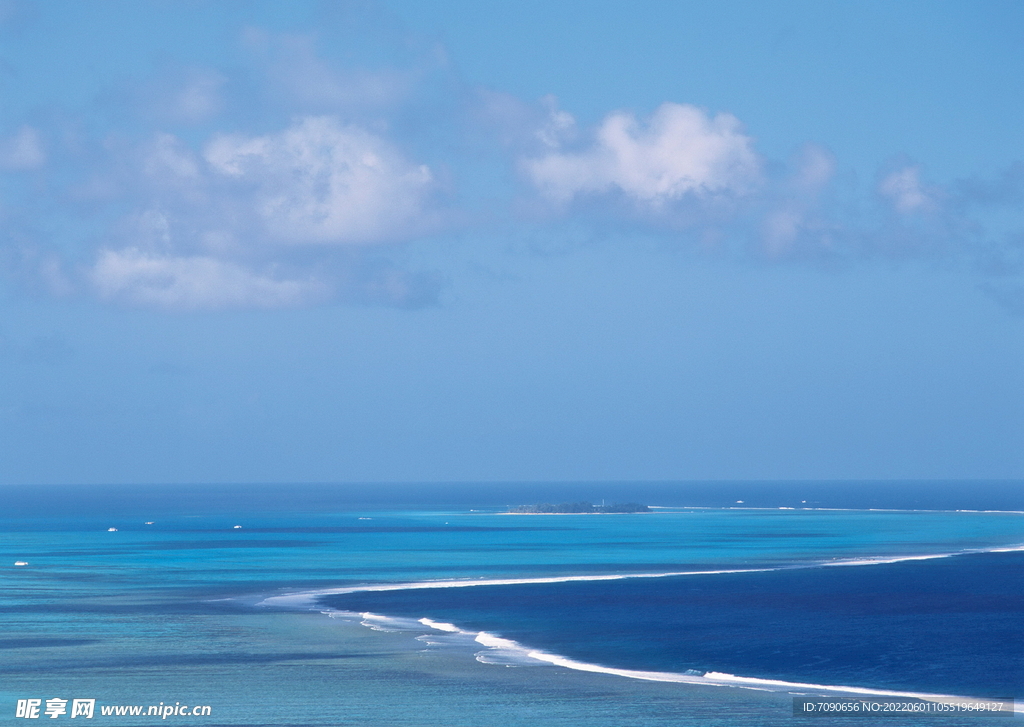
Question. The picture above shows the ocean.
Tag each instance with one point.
(431, 605)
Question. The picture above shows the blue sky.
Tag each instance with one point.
(464, 241)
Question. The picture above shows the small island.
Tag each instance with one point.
(576, 508)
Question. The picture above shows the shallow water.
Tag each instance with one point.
(168, 612)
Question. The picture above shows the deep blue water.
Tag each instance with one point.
(948, 626)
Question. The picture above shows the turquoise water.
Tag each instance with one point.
(169, 611)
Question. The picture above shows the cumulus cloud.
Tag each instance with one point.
(291, 179)
(290, 175)
(323, 182)
(23, 150)
(681, 151)
(214, 229)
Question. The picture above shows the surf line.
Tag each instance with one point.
(308, 599)
(524, 654)
(722, 679)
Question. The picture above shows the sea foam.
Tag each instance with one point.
(308, 599)
(508, 652)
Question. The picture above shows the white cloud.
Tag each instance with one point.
(903, 189)
(682, 151)
(323, 182)
(23, 150)
(137, 277)
(200, 220)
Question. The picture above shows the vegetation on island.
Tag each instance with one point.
(567, 508)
